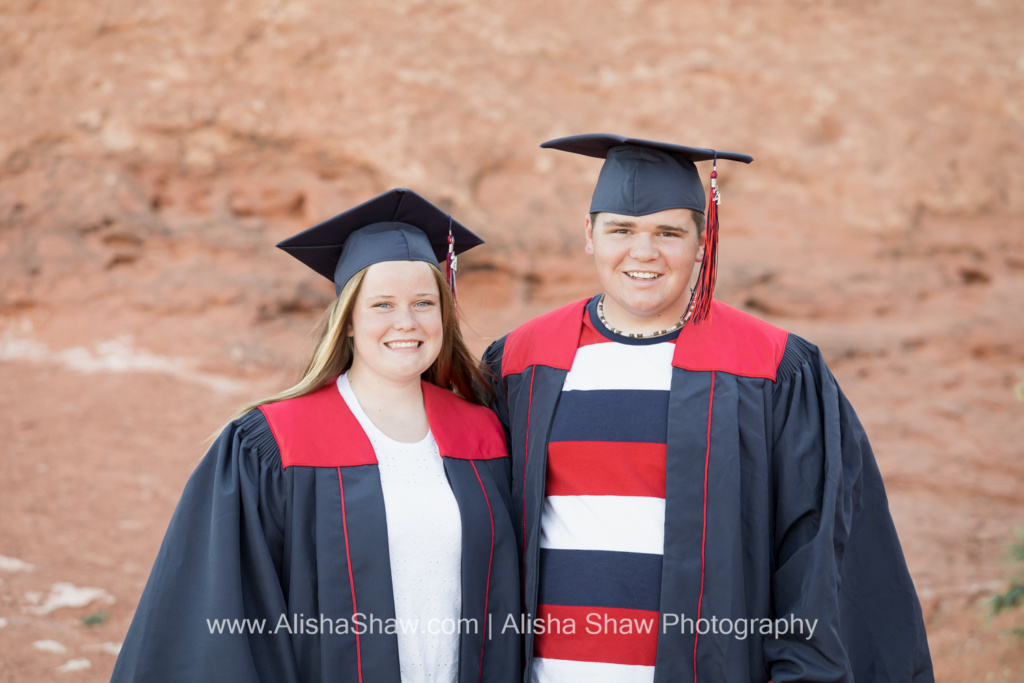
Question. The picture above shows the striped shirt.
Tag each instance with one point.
(602, 528)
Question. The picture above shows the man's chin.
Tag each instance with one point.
(643, 307)
(645, 316)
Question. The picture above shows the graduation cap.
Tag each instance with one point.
(641, 177)
(398, 225)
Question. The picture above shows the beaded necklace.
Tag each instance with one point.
(640, 335)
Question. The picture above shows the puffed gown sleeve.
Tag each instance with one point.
(220, 563)
(490, 364)
(837, 558)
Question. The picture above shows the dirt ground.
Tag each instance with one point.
(151, 155)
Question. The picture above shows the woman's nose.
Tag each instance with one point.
(404, 319)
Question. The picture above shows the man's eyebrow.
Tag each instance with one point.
(623, 223)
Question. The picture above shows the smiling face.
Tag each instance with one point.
(396, 322)
(644, 264)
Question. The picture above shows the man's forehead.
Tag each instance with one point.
(671, 219)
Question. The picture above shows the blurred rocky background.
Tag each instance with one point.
(152, 153)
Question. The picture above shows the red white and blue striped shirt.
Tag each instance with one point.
(602, 529)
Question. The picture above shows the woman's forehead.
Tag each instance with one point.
(400, 277)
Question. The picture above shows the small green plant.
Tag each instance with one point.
(1013, 597)
(95, 619)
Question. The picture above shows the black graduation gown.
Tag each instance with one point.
(774, 506)
(283, 524)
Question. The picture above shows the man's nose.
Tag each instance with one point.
(643, 248)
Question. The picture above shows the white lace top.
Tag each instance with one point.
(425, 545)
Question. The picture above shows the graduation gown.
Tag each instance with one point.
(283, 524)
(774, 506)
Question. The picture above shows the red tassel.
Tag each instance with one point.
(709, 264)
(451, 262)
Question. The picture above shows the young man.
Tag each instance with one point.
(695, 497)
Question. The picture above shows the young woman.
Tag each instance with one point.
(355, 527)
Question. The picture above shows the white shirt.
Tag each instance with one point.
(425, 546)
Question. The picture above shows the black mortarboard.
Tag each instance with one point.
(641, 177)
(398, 225)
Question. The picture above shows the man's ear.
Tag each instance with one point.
(590, 236)
(700, 250)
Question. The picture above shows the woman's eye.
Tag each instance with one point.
(424, 304)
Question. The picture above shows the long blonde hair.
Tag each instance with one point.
(454, 369)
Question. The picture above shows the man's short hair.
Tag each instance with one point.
(698, 220)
